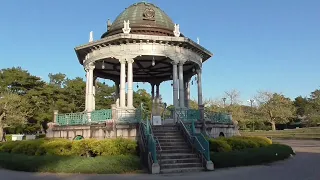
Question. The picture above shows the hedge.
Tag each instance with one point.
(253, 156)
(66, 164)
(237, 143)
(63, 147)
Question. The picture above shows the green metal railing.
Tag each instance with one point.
(101, 115)
(188, 115)
(197, 140)
(218, 117)
(98, 116)
(72, 119)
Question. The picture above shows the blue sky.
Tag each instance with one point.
(258, 45)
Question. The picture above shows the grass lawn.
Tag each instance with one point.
(301, 133)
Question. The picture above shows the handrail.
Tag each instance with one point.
(194, 140)
(160, 149)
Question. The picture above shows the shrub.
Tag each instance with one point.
(64, 147)
(218, 145)
(9, 137)
(66, 164)
(238, 143)
(118, 146)
(28, 147)
(252, 156)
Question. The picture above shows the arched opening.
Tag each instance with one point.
(78, 137)
(221, 134)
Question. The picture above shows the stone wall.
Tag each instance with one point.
(100, 131)
(215, 130)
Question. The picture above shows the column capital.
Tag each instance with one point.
(174, 62)
(89, 66)
(198, 70)
(122, 61)
(181, 62)
(130, 60)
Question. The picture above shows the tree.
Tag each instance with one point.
(13, 111)
(233, 96)
(105, 96)
(193, 104)
(275, 108)
(58, 79)
(314, 108)
(18, 81)
(301, 105)
(142, 96)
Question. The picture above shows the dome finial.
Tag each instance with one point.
(176, 31)
(108, 24)
(91, 36)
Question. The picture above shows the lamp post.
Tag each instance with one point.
(224, 102)
(251, 101)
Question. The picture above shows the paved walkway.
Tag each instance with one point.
(304, 166)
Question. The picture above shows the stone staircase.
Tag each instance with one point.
(176, 156)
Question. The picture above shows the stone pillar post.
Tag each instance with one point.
(181, 86)
(122, 83)
(175, 84)
(55, 115)
(130, 84)
(90, 100)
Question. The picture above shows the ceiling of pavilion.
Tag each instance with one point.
(143, 69)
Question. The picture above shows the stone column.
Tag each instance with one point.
(157, 100)
(130, 84)
(87, 88)
(181, 86)
(152, 92)
(200, 103)
(90, 100)
(117, 93)
(175, 84)
(122, 83)
(187, 92)
(157, 93)
(94, 93)
(199, 72)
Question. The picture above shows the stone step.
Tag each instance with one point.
(176, 156)
(185, 160)
(173, 147)
(167, 134)
(172, 140)
(172, 143)
(180, 165)
(179, 170)
(167, 151)
(164, 128)
(169, 137)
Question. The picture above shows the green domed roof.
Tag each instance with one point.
(145, 18)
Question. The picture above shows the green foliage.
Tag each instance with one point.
(63, 147)
(238, 143)
(219, 145)
(253, 156)
(275, 108)
(66, 164)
